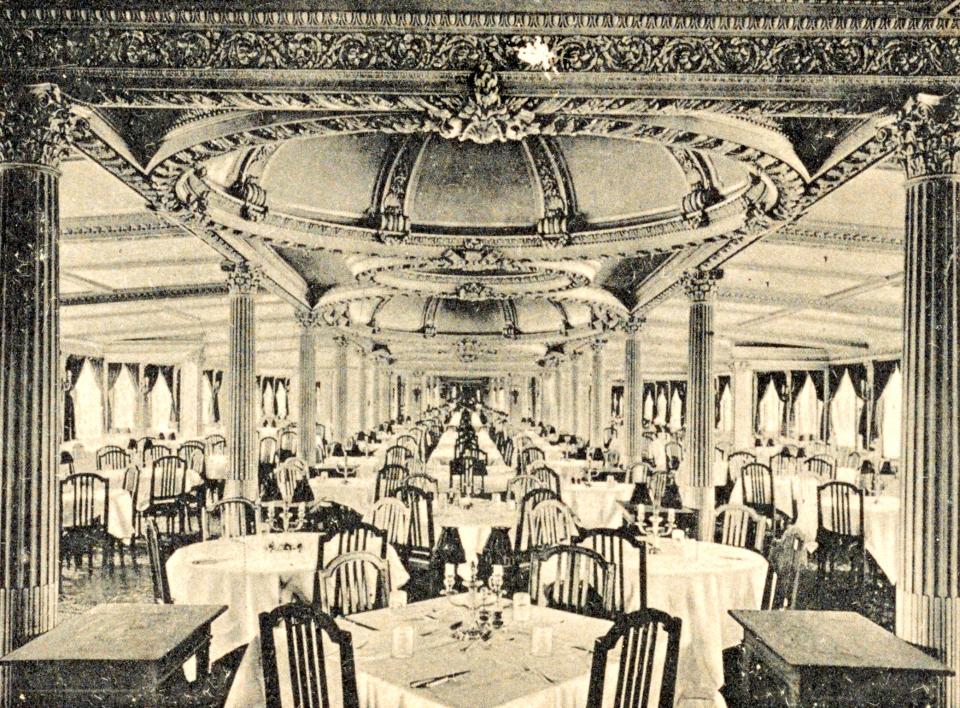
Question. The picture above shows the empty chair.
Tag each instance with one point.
(228, 518)
(288, 474)
(626, 556)
(757, 481)
(736, 460)
(112, 457)
(84, 508)
(353, 536)
(840, 527)
(522, 537)
(639, 472)
(787, 557)
(783, 463)
(409, 443)
(673, 452)
(548, 478)
(392, 516)
(822, 466)
(399, 456)
(288, 441)
(420, 540)
(193, 452)
(166, 494)
(424, 482)
(467, 475)
(552, 523)
(154, 452)
(389, 479)
(215, 444)
(158, 569)
(647, 671)
(518, 486)
(529, 455)
(357, 581)
(740, 526)
(570, 578)
(268, 450)
(313, 648)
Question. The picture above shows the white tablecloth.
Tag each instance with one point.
(119, 510)
(192, 480)
(596, 504)
(474, 525)
(357, 493)
(502, 671)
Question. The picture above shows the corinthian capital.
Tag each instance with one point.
(634, 323)
(35, 125)
(242, 278)
(929, 136)
(700, 285)
(308, 318)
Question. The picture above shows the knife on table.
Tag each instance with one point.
(436, 680)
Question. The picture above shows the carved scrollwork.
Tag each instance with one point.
(634, 323)
(700, 285)
(475, 291)
(336, 314)
(929, 136)
(309, 318)
(471, 349)
(36, 125)
(606, 319)
(242, 277)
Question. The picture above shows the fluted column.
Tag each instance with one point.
(928, 586)
(34, 123)
(243, 395)
(309, 321)
(700, 287)
(341, 371)
(575, 413)
(633, 392)
(596, 391)
(376, 393)
(362, 401)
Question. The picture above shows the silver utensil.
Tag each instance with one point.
(437, 680)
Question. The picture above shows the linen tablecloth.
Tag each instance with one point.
(119, 510)
(597, 504)
(474, 524)
(502, 671)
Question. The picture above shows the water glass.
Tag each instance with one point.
(398, 599)
(521, 606)
(401, 646)
(541, 642)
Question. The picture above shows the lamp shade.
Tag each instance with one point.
(449, 547)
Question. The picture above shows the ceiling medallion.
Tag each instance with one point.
(469, 349)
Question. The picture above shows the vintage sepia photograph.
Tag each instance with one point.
(480, 354)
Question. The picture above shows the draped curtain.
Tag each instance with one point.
(889, 417)
(858, 377)
(678, 404)
(96, 367)
(215, 381)
(763, 379)
(816, 376)
(661, 407)
(843, 410)
(151, 372)
(73, 368)
(797, 380)
(721, 386)
(169, 379)
(649, 401)
(113, 373)
(882, 371)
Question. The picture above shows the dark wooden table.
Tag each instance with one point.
(831, 658)
(113, 655)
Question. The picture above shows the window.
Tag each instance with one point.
(891, 401)
(806, 409)
(771, 411)
(676, 411)
(88, 402)
(726, 410)
(124, 401)
(161, 406)
(845, 414)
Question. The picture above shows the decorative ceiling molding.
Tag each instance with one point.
(172, 292)
(389, 210)
(848, 237)
(119, 227)
(797, 301)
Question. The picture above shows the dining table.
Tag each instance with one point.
(446, 672)
(252, 574)
(120, 521)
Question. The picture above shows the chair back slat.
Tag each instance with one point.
(740, 526)
(168, 480)
(420, 505)
(580, 583)
(89, 496)
(112, 457)
(757, 481)
(353, 582)
(228, 518)
(389, 479)
(623, 552)
(523, 535)
(215, 444)
(840, 508)
(392, 516)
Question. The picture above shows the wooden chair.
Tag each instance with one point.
(673, 451)
(288, 441)
(822, 466)
(467, 474)
(736, 461)
(392, 516)
(507, 452)
(552, 523)
(657, 484)
(840, 528)
(112, 457)
(518, 486)
(399, 456)
(549, 479)
(353, 582)
(268, 448)
(620, 549)
(643, 651)
(529, 455)
(425, 482)
(167, 493)
(84, 519)
(389, 479)
(308, 634)
(354, 536)
(288, 474)
(787, 558)
(409, 443)
(757, 481)
(783, 463)
(154, 452)
(158, 569)
(522, 537)
(639, 472)
(193, 454)
(215, 444)
(232, 517)
(740, 526)
(418, 549)
(580, 582)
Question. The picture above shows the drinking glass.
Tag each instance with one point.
(521, 606)
(401, 646)
(541, 641)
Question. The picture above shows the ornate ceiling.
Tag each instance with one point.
(486, 179)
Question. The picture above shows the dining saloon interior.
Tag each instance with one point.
(475, 353)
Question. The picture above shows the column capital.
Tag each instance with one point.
(341, 340)
(36, 125)
(929, 137)
(597, 344)
(308, 318)
(700, 285)
(740, 365)
(242, 277)
(634, 323)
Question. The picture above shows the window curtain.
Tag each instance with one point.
(780, 385)
(721, 386)
(123, 399)
(151, 372)
(72, 371)
(889, 417)
(678, 404)
(816, 377)
(843, 412)
(762, 382)
(771, 410)
(858, 377)
(806, 407)
(88, 400)
(99, 376)
(283, 386)
(169, 378)
(113, 373)
(882, 371)
(662, 404)
(133, 371)
(835, 377)
(649, 401)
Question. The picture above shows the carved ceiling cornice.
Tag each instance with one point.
(847, 237)
(173, 292)
(118, 227)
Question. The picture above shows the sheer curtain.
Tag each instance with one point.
(806, 407)
(844, 413)
(161, 405)
(281, 399)
(124, 404)
(724, 405)
(660, 414)
(771, 410)
(88, 400)
(889, 411)
(676, 410)
(649, 393)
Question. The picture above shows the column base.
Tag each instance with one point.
(932, 622)
(24, 614)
